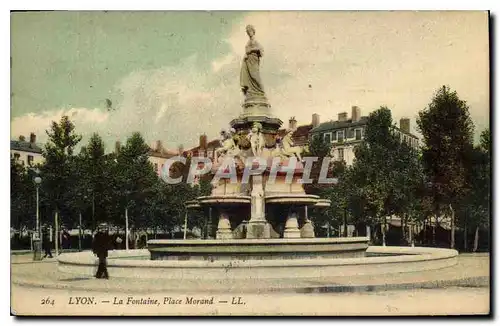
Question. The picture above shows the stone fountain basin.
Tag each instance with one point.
(289, 199)
(136, 264)
(257, 249)
(223, 200)
(292, 199)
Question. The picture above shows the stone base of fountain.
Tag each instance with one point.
(258, 230)
(135, 264)
(257, 249)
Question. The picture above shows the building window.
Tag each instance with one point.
(334, 136)
(156, 167)
(340, 135)
(210, 154)
(327, 138)
(341, 154)
(358, 134)
(30, 160)
(17, 156)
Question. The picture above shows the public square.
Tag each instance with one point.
(465, 291)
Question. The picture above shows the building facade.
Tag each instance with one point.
(345, 133)
(158, 155)
(26, 153)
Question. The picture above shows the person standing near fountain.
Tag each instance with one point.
(250, 81)
(100, 246)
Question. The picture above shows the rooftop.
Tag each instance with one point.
(25, 146)
(163, 153)
(331, 125)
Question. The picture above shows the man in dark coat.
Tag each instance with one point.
(100, 246)
(46, 241)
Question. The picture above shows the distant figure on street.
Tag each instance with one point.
(47, 241)
(100, 247)
(65, 238)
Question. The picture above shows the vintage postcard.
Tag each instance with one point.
(268, 163)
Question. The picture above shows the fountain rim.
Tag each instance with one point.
(403, 255)
(202, 242)
(276, 199)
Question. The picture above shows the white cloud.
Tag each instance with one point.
(38, 123)
(367, 59)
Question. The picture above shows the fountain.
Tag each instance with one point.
(263, 227)
(266, 207)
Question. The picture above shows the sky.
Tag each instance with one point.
(175, 75)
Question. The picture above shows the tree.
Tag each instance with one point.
(339, 196)
(56, 172)
(447, 130)
(182, 192)
(374, 169)
(320, 149)
(479, 196)
(23, 201)
(92, 181)
(133, 182)
(407, 186)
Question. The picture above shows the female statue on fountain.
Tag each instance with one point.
(250, 82)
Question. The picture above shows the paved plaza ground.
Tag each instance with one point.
(37, 288)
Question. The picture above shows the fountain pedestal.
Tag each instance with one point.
(224, 227)
(257, 228)
(292, 226)
(307, 230)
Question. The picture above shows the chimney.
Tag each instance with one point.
(32, 138)
(315, 120)
(203, 141)
(343, 116)
(180, 149)
(404, 125)
(356, 113)
(22, 138)
(117, 147)
(158, 146)
(292, 123)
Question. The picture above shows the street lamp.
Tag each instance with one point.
(37, 240)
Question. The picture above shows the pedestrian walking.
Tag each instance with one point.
(47, 241)
(100, 247)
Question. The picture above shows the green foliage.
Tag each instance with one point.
(447, 130)
(386, 177)
(23, 200)
(133, 180)
(375, 168)
(320, 149)
(57, 172)
(337, 193)
(448, 134)
(478, 199)
(92, 194)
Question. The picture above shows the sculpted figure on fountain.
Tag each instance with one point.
(289, 149)
(257, 141)
(229, 146)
